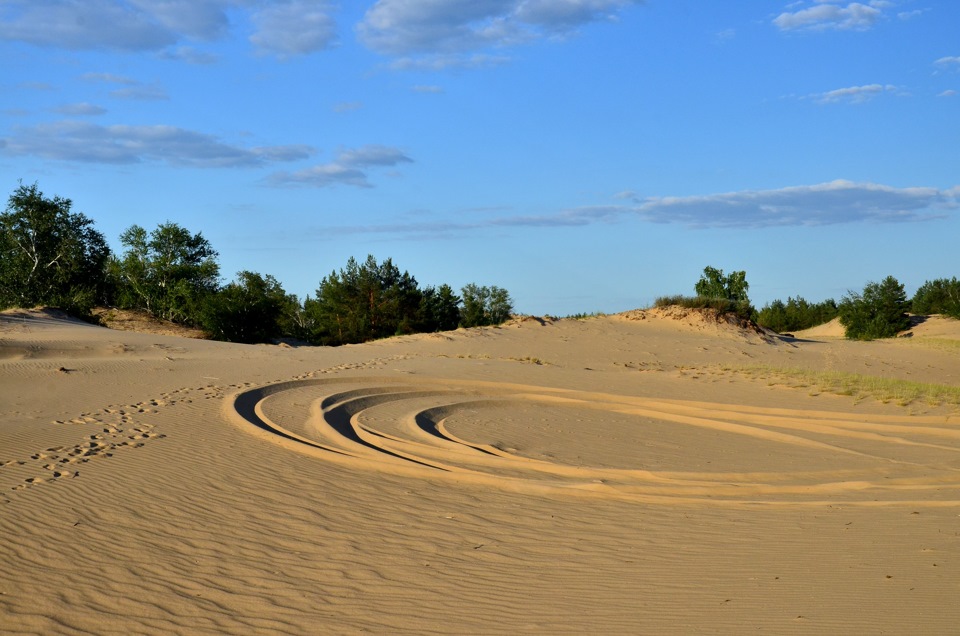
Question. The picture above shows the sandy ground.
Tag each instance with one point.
(617, 475)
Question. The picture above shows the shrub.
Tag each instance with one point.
(723, 305)
(879, 312)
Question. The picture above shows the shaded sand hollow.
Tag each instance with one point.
(655, 472)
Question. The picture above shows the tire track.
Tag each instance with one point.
(403, 426)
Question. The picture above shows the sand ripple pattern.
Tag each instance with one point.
(793, 457)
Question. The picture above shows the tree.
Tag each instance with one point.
(713, 284)
(485, 306)
(879, 312)
(797, 314)
(168, 273)
(439, 310)
(364, 302)
(940, 296)
(48, 254)
(248, 310)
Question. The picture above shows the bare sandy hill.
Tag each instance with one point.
(642, 473)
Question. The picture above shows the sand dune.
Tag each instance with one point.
(644, 473)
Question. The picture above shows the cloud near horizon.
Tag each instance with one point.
(122, 144)
(833, 203)
(349, 168)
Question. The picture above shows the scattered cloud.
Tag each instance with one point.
(948, 93)
(853, 94)
(823, 15)
(93, 24)
(120, 144)
(37, 86)
(80, 109)
(816, 205)
(909, 15)
(450, 30)
(349, 168)
(281, 27)
(347, 107)
(420, 88)
(293, 28)
(443, 62)
(141, 93)
(108, 78)
(836, 202)
(132, 89)
(725, 36)
(950, 63)
(190, 55)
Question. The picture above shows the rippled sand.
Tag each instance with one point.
(613, 475)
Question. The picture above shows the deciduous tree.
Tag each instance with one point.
(48, 254)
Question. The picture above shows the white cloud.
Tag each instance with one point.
(282, 27)
(822, 204)
(423, 88)
(833, 203)
(190, 55)
(452, 29)
(948, 93)
(824, 15)
(291, 28)
(196, 19)
(108, 78)
(950, 62)
(132, 88)
(442, 62)
(145, 93)
(81, 109)
(347, 107)
(853, 94)
(121, 144)
(347, 169)
(92, 24)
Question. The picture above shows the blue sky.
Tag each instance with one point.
(588, 155)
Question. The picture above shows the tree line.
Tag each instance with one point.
(52, 256)
(881, 310)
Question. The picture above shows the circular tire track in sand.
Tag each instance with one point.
(722, 454)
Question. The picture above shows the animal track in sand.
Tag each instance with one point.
(650, 450)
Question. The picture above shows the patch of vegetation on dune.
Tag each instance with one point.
(856, 385)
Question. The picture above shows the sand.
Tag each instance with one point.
(637, 474)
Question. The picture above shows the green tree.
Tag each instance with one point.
(248, 310)
(169, 272)
(48, 254)
(796, 314)
(713, 284)
(879, 312)
(439, 309)
(940, 296)
(363, 302)
(485, 306)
